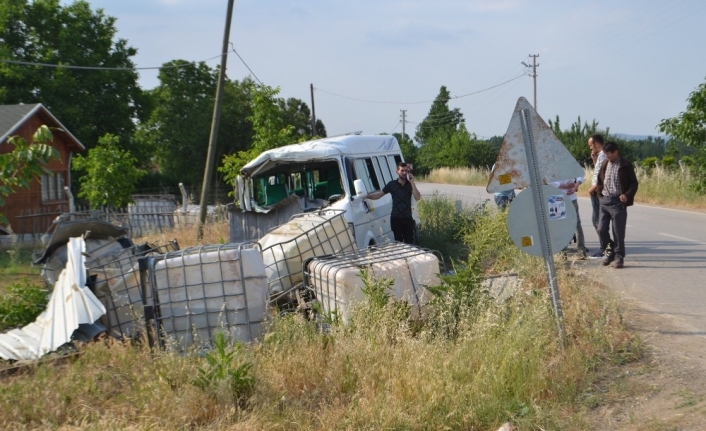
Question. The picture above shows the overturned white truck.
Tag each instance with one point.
(332, 173)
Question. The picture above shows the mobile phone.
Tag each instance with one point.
(407, 177)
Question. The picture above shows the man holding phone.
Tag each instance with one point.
(402, 189)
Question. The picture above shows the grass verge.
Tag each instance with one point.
(471, 363)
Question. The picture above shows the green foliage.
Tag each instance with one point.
(111, 174)
(409, 150)
(21, 304)
(178, 128)
(490, 247)
(376, 291)
(441, 224)
(575, 139)
(440, 120)
(225, 369)
(649, 162)
(89, 103)
(668, 161)
(297, 114)
(690, 125)
(455, 303)
(26, 162)
(270, 131)
(690, 128)
(380, 316)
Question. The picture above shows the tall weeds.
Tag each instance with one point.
(471, 362)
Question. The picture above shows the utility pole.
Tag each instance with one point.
(404, 120)
(210, 158)
(533, 75)
(313, 113)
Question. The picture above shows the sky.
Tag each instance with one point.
(626, 64)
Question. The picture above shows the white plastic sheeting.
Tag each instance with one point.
(71, 304)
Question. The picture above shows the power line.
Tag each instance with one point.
(421, 101)
(232, 47)
(69, 66)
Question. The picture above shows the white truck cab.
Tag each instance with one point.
(336, 173)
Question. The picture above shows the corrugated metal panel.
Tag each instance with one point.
(70, 305)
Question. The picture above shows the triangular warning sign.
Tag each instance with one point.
(511, 170)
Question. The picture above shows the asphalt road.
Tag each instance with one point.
(665, 262)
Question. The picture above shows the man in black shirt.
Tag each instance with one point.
(402, 189)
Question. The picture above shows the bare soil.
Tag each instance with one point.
(666, 390)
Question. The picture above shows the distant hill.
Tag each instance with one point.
(629, 137)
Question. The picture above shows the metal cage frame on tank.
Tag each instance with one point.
(315, 233)
(381, 257)
(115, 279)
(202, 290)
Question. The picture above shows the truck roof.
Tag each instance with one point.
(321, 149)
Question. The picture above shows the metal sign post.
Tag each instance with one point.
(532, 156)
(542, 219)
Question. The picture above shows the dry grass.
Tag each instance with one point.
(658, 186)
(661, 186)
(462, 176)
(213, 233)
(381, 372)
(507, 365)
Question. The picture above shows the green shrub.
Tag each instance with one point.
(441, 224)
(21, 304)
(649, 162)
(223, 374)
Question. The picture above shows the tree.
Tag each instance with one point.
(26, 162)
(296, 113)
(179, 126)
(90, 103)
(440, 119)
(409, 150)
(270, 127)
(435, 132)
(690, 125)
(111, 174)
(690, 128)
(575, 138)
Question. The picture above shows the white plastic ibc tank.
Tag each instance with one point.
(339, 286)
(201, 291)
(287, 246)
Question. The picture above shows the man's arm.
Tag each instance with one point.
(376, 195)
(415, 192)
(596, 169)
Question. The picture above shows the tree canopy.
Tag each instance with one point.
(111, 174)
(690, 128)
(90, 103)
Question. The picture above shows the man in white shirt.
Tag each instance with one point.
(595, 143)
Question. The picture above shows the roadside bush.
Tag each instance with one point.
(21, 304)
(441, 224)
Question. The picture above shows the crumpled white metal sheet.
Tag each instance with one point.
(71, 304)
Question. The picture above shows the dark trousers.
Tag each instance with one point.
(596, 206)
(403, 229)
(612, 210)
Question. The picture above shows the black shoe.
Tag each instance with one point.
(619, 262)
(608, 259)
(597, 254)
